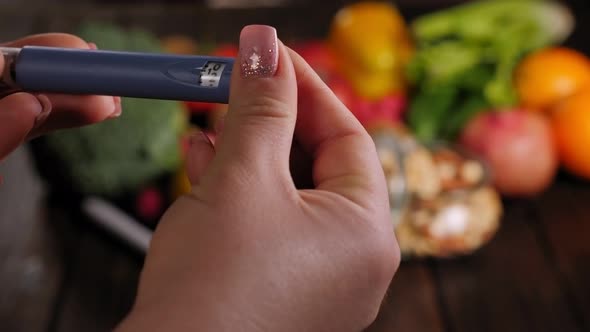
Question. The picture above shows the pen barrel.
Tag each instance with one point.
(127, 74)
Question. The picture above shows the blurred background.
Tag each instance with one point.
(480, 112)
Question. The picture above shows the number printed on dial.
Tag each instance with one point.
(211, 74)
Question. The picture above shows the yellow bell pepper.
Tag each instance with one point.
(373, 46)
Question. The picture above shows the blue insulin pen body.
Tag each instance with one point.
(114, 73)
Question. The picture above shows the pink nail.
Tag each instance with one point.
(45, 111)
(92, 46)
(259, 51)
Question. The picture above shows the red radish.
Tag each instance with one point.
(519, 148)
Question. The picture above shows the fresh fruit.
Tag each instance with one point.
(550, 75)
(571, 126)
(372, 45)
(518, 146)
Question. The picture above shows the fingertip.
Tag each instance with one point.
(51, 39)
(262, 103)
(82, 110)
(18, 114)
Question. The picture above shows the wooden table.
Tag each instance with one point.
(63, 274)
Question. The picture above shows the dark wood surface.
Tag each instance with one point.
(64, 274)
(60, 273)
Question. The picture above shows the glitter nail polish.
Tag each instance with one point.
(258, 51)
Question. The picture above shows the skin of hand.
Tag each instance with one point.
(247, 250)
(24, 116)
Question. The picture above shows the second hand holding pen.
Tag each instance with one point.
(114, 73)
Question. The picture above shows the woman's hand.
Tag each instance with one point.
(247, 250)
(24, 116)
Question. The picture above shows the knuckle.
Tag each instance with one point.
(266, 107)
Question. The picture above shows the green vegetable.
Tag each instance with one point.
(534, 22)
(474, 49)
(429, 110)
(120, 155)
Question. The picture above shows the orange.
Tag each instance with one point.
(571, 124)
(547, 76)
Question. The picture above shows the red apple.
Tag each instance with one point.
(518, 146)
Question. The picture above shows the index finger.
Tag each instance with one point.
(345, 157)
(69, 110)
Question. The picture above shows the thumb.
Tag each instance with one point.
(19, 114)
(259, 125)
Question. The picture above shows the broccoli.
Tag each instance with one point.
(120, 155)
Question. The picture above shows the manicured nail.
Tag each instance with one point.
(45, 111)
(259, 51)
(118, 110)
(92, 46)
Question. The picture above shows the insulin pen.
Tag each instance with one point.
(114, 73)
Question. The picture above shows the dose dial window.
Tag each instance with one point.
(211, 74)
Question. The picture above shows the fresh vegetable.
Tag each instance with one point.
(550, 75)
(571, 126)
(180, 184)
(466, 56)
(120, 155)
(387, 109)
(372, 45)
(519, 148)
(319, 56)
(179, 44)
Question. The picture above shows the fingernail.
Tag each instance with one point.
(118, 110)
(258, 53)
(92, 46)
(198, 138)
(45, 111)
